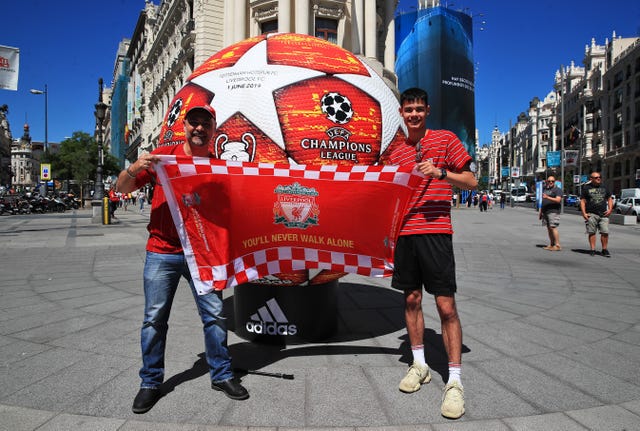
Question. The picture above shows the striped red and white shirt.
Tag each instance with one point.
(430, 207)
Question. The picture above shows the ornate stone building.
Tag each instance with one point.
(173, 38)
(24, 165)
(601, 102)
(6, 174)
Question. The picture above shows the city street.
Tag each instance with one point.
(551, 338)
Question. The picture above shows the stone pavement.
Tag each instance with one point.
(551, 339)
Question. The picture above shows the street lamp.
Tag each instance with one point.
(46, 122)
(100, 114)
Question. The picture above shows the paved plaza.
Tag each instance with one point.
(551, 338)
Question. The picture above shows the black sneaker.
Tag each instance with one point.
(592, 252)
(231, 388)
(145, 400)
(606, 253)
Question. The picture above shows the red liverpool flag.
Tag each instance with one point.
(241, 221)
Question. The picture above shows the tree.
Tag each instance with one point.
(77, 159)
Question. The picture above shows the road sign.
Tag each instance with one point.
(45, 171)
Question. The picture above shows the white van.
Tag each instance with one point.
(629, 193)
(519, 194)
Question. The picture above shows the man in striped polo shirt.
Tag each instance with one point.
(424, 250)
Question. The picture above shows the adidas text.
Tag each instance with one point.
(271, 328)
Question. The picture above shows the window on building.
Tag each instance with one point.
(269, 26)
(617, 169)
(617, 99)
(327, 29)
(544, 136)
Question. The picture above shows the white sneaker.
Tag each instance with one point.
(452, 401)
(416, 375)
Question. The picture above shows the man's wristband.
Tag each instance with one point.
(130, 174)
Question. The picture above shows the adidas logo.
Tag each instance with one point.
(270, 320)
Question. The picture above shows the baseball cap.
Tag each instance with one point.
(205, 107)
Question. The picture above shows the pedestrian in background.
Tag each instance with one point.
(424, 250)
(503, 199)
(484, 202)
(165, 265)
(114, 200)
(141, 199)
(596, 204)
(550, 212)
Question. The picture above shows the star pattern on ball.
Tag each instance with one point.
(229, 86)
(388, 105)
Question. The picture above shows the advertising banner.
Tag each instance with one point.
(553, 159)
(9, 67)
(539, 186)
(435, 53)
(241, 221)
(505, 171)
(570, 157)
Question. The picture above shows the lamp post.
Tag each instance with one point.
(562, 94)
(98, 194)
(100, 114)
(46, 122)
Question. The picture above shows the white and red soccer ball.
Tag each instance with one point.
(290, 98)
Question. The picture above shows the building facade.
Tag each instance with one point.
(594, 111)
(24, 164)
(6, 172)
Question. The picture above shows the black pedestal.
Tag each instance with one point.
(286, 314)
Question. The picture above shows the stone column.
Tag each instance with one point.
(390, 41)
(284, 16)
(370, 29)
(240, 21)
(228, 24)
(357, 26)
(302, 18)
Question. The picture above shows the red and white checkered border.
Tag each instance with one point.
(183, 166)
(254, 266)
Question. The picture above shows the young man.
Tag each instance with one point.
(550, 212)
(596, 204)
(424, 250)
(165, 264)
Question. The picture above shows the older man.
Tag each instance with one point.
(165, 264)
(550, 212)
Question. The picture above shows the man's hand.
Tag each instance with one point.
(145, 161)
(428, 168)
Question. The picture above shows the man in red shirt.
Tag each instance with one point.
(424, 249)
(113, 203)
(165, 264)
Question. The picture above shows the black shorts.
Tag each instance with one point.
(425, 260)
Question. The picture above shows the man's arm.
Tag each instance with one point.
(609, 206)
(583, 206)
(554, 199)
(464, 179)
(127, 177)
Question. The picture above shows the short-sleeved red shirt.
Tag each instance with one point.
(163, 237)
(430, 207)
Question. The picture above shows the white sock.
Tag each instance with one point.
(418, 354)
(455, 371)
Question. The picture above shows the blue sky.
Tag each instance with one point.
(68, 45)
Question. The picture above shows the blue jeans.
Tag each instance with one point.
(162, 274)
